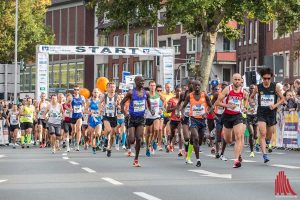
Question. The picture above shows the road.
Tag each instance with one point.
(37, 174)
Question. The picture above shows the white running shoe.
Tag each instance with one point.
(222, 157)
(124, 147)
(117, 147)
(188, 162)
(68, 149)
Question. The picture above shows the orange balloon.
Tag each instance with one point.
(85, 92)
(101, 83)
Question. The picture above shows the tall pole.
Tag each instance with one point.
(16, 55)
(128, 45)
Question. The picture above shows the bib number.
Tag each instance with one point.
(14, 120)
(67, 113)
(187, 110)
(198, 110)
(267, 100)
(237, 104)
(138, 105)
(77, 109)
(110, 108)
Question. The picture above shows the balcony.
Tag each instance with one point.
(225, 57)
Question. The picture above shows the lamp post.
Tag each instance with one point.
(16, 56)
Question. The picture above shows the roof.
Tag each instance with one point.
(62, 2)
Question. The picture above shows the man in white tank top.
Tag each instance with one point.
(13, 122)
(42, 124)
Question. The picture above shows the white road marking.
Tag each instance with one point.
(3, 156)
(88, 170)
(112, 181)
(65, 158)
(64, 154)
(209, 155)
(146, 196)
(278, 153)
(211, 174)
(73, 163)
(246, 161)
(1, 181)
(286, 166)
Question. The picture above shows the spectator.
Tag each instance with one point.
(290, 101)
(286, 87)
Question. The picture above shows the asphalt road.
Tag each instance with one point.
(37, 174)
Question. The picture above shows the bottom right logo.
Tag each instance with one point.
(283, 187)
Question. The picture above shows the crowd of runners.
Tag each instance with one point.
(153, 117)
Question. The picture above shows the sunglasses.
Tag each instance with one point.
(76, 89)
(266, 78)
(159, 90)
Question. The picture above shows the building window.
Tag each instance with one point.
(255, 62)
(80, 74)
(226, 44)
(275, 33)
(269, 26)
(126, 40)
(296, 64)
(102, 70)
(244, 35)
(162, 44)
(226, 74)
(116, 41)
(250, 63)
(250, 32)
(137, 41)
(125, 67)
(240, 66)
(103, 40)
(255, 31)
(287, 64)
(148, 69)
(138, 69)
(192, 45)
(176, 45)
(64, 76)
(150, 38)
(115, 71)
(245, 66)
(162, 15)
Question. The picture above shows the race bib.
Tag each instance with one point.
(14, 120)
(77, 109)
(67, 113)
(198, 110)
(110, 108)
(96, 114)
(138, 105)
(28, 116)
(187, 110)
(237, 104)
(220, 110)
(54, 115)
(155, 106)
(85, 118)
(267, 100)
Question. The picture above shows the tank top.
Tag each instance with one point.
(219, 110)
(77, 107)
(85, 119)
(253, 107)
(13, 120)
(266, 98)
(67, 113)
(54, 114)
(236, 99)
(137, 105)
(174, 101)
(154, 101)
(187, 108)
(28, 114)
(198, 108)
(110, 109)
(42, 108)
(94, 107)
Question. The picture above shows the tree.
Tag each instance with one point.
(201, 18)
(31, 25)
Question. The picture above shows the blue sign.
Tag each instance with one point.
(124, 74)
(214, 82)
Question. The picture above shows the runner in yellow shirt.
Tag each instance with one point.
(27, 116)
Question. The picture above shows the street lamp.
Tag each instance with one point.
(16, 55)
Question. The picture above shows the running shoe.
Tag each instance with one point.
(152, 151)
(213, 150)
(108, 154)
(117, 147)
(257, 147)
(266, 159)
(200, 151)
(148, 152)
(64, 145)
(94, 150)
(160, 148)
(188, 161)
(104, 149)
(34, 143)
(168, 149)
(124, 147)
(68, 149)
(240, 158)
(41, 145)
(270, 149)
(154, 146)
(171, 148)
(27, 146)
(180, 153)
(136, 163)
(53, 151)
(222, 157)
(252, 154)
(217, 155)
(14, 146)
(236, 164)
(130, 154)
(23, 146)
(198, 163)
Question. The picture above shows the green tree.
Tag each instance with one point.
(32, 29)
(201, 18)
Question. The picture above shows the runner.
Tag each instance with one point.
(211, 120)
(152, 121)
(78, 103)
(232, 116)
(93, 108)
(121, 126)
(42, 123)
(268, 93)
(252, 120)
(199, 104)
(66, 125)
(55, 111)
(13, 123)
(188, 142)
(166, 125)
(219, 124)
(137, 107)
(175, 121)
(27, 114)
(111, 101)
(161, 120)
